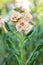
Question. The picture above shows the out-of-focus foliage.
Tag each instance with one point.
(3, 2)
(20, 49)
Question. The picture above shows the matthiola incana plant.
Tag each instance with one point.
(17, 29)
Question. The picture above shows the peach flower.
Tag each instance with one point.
(23, 26)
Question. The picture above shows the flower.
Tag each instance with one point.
(23, 26)
(2, 24)
(27, 16)
(1, 21)
(15, 16)
(22, 21)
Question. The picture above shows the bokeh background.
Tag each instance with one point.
(35, 7)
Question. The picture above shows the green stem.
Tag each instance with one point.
(21, 47)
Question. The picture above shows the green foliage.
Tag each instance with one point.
(20, 49)
(14, 47)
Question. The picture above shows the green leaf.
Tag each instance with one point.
(37, 49)
(19, 9)
(11, 59)
(7, 26)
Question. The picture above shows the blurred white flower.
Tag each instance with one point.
(2, 24)
(24, 3)
(40, 2)
(11, 6)
(1, 21)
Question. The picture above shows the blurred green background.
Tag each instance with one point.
(36, 9)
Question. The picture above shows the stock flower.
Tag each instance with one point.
(15, 16)
(20, 25)
(23, 21)
(1, 21)
(27, 16)
(2, 24)
(23, 26)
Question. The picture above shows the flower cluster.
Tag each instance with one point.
(23, 21)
